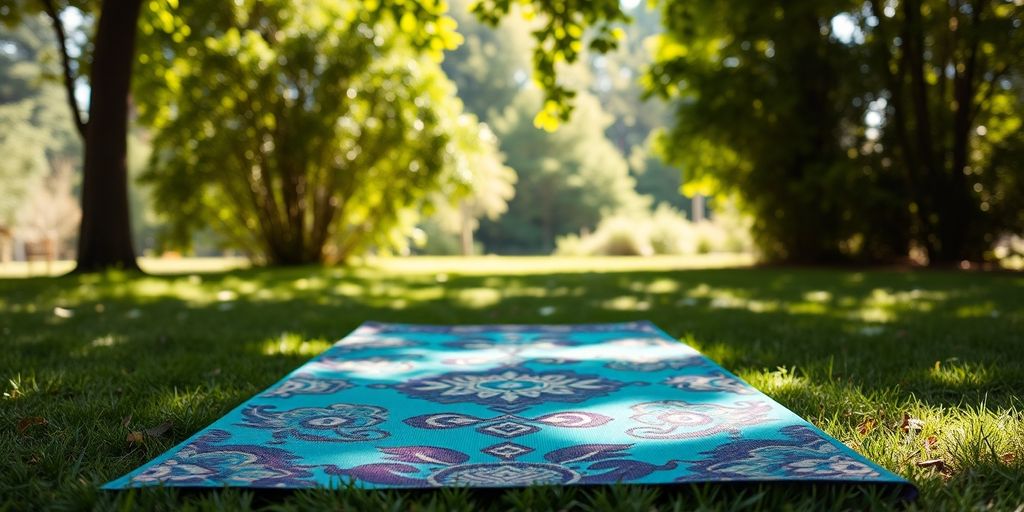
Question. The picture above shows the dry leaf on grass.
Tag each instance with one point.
(866, 426)
(936, 464)
(160, 429)
(138, 437)
(930, 443)
(911, 425)
(29, 422)
(1008, 457)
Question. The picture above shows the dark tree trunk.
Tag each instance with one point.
(105, 237)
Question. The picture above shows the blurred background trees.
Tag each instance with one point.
(38, 146)
(850, 130)
(832, 131)
(314, 138)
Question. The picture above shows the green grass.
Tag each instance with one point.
(100, 357)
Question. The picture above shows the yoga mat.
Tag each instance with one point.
(416, 406)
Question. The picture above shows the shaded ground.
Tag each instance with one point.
(87, 361)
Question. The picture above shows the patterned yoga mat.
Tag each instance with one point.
(400, 406)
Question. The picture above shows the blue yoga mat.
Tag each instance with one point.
(415, 406)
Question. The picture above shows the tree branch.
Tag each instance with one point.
(69, 80)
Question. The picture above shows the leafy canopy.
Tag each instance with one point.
(301, 133)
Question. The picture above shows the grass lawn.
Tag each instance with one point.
(89, 361)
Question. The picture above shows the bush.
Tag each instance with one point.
(663, 231)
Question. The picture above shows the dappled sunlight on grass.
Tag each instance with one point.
(978, 310)
(851, 351)
(290, 344)
(477, 298)
(954, 373)
(656, 286)
(626, 303)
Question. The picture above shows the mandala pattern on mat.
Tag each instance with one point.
(509, 389)
(508, 426)
(433, 466)
(713, 382)
(803, 454)
(504, 406)
(307, 384)
(205, 463)
(334, 423)
(655, 364)
(676, 419)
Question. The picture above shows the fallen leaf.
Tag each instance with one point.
(930, 443)
(135, 438)
(911, 425)
(126, 420)
(29, 422)
(160, 429)
(866, 426)
(936, 464)
(1008, 457)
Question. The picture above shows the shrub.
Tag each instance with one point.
(663, 231)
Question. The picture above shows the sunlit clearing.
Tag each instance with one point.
(818, 296)
(290, 344)
(478, 297)
(980, 310)
(662, 285)
(774, 382)
(106, 341)
(952, 372)
(626, 303)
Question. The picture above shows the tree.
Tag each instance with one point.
(486, 185)
(636, 116)
(492, 64)
(326, 134)
(952, 74)
(105, 236)
(850, 129)
(104, 239)
(567, 180)
(38, 133)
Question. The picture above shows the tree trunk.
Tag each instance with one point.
(105, 237)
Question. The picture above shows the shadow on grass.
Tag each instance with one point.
(836, 347)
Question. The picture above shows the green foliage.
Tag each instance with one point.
(567, 179)
(316, 137)
(761, 100)
(663, 231)
(636, 115)
(493, 63)
(33, 113)
(838, 122)
(560, 40)
(956, 97)
(487, 185)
